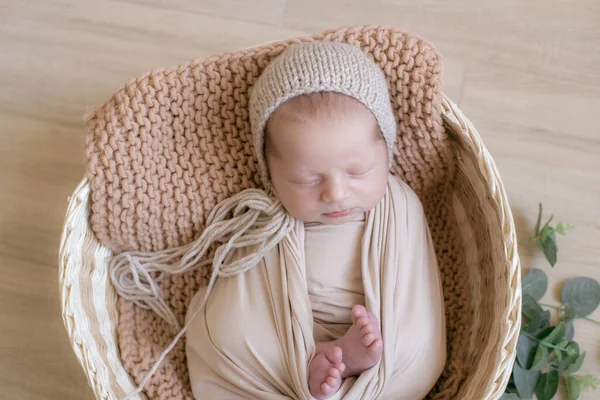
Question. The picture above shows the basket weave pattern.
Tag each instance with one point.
(171, 144)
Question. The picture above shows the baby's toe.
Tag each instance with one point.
(340, 367)
(366, 329)
(368, 339)
(334, 373)
(332, 382)
(358, 311)
(362, 322)
(334, 355)
(325, 388)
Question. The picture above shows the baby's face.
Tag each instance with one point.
(328, 169)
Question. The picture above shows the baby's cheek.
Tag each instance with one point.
(378, 191)
(301, 208)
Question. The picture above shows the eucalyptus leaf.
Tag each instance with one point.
(571, 357)
(509, 396)
(546, 230)
(543, 233)
(581, 294)
(535, 284)
(540, 360)
(526, 347)
(573, 387)
(531, 310)
(589, 382)
(547, 386)
(576, 366)
(525, 381)
(550, 247)
(557, 334)
(533, 324)
(542, 333)
(573, 349)
(570, 330)
(530, 306)
(568, 314)
(544, 319)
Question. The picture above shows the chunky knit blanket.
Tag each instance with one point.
(171, 144)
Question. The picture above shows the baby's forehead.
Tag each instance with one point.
(320, 108)
(316, 118)
(318, 104)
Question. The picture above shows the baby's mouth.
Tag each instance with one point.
(339, 214)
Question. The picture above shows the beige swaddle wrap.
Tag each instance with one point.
(332, 256)
(254, 339)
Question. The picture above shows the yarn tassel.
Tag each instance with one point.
(256, 220)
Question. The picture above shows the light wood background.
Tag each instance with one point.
(527, 73)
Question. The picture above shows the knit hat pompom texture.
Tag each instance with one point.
(319, 66)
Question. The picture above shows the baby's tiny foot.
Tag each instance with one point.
(325, 373)
(362, 345)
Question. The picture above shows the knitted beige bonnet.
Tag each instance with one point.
(317, 66)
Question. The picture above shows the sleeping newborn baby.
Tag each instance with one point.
(348, 304)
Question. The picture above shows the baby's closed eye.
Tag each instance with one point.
(306, 181)
(359, 172)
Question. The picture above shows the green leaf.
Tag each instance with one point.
(531, 310)
(572, 350)
(576, 366)
(536, 230)
(560, 228)
(568, 314)
(573, 387)
(543, 233)
(544, 319)
(546, 230)
(540, 361)
(525, 351)
(572, 353)
(533, 324)
(535, 284)
(542, 333)
(570, 330)
(563, 343)
(581, 294)
(589, 382)
(525, 381)
(530, 306)
(549, 247)
(557, 334)
(547, 386)
(509, 396)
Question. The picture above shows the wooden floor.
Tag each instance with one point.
(527, 73)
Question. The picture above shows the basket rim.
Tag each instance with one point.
(455, 119)
(102, 365)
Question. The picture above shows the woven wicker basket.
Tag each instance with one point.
(89, 303)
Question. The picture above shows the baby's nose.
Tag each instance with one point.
(335, 191)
